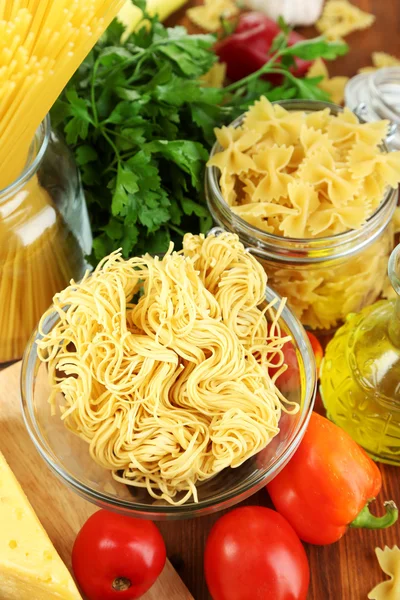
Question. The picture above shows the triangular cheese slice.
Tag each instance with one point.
(30, 568)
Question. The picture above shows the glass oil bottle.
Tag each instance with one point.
(360, 375)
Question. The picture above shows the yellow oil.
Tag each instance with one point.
(360, 379)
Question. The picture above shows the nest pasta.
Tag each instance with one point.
(163, 364)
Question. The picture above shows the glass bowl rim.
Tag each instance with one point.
(239, 492)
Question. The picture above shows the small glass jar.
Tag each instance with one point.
(44, 237)
(323, 278)
(375, 96)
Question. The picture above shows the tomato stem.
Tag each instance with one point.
(368, 521)
(120, 584)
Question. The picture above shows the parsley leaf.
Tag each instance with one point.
(141, 126)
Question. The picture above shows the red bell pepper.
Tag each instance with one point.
(248, 48)
(327, 486)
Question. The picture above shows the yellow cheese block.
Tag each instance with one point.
(130, 14)
(30, 568)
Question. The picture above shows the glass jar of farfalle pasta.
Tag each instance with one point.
(323, 278)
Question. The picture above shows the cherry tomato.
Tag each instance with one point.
(117, 557)
(252, 553)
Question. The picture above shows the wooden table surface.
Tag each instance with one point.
(347, 570)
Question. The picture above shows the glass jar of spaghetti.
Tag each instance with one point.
(44, 237)
(324, 278)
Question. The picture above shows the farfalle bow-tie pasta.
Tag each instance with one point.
(308, 175)
(389, 561)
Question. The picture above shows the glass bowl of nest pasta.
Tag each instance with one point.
(169, 387)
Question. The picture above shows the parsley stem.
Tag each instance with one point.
(113, 146)
(93, 94)
(176, 229)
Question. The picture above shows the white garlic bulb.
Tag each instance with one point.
(294, 12)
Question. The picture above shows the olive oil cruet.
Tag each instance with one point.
(360, 375)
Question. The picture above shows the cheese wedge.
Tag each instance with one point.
(30, 568)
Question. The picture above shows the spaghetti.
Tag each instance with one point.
(163, 364)
(42, 43)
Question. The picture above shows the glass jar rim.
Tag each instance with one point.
(34, 159)
(323, 243)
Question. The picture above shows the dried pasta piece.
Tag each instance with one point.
(227, 183)
(275, 183)
(298, 155)
(261, 212)
(318, 119)
(346, 126)
(235, 142)
(373, 188)
(340, 18)
(305, 201)
(389, 561)
(208, 15)
(275, 121)
(366, 70)
(215, 77)
(329, 220)
(388, 166)
(362, 159)
(321, 170)
(333, 86)
(354, 216)
(254, 215)
(380, 60)
(312, 140)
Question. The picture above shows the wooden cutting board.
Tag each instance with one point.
(60, 510)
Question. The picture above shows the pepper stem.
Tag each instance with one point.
(369, 521)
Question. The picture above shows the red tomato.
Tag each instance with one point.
(117, 557)
(290, 379)
(252, 553)
(317, 349)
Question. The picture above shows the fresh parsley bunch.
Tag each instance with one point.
(141, 123)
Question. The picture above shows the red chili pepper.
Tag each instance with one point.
(327, 486)
(247, 49)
